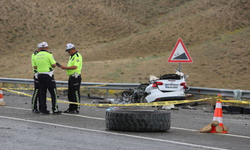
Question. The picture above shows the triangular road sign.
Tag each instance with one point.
(180, 53)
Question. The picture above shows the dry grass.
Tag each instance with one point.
(126, 41)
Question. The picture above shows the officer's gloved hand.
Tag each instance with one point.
(58, 65)
(36, 75)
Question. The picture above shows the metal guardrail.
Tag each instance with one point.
(125, 86)
(214, 91)
(90, 85)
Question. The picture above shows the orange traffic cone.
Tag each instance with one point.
(218, 117)
(2, 103)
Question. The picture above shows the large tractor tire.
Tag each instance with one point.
(138, 120)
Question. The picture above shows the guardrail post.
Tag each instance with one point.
(88, 91)
(107, 94)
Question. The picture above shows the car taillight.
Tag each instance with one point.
(155, 84)
(159, 83)
(184, 85)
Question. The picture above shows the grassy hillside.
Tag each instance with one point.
(126, 41)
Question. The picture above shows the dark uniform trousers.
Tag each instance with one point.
(74, 91)
(47, 82)
(35, 95)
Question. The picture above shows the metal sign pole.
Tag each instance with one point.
(180, 67)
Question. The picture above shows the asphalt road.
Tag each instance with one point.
(23, 130)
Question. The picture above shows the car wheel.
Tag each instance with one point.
(137, 120)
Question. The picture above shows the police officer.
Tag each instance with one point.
(73, 70)
(44, 63)
(36, 83)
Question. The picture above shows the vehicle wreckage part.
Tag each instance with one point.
(123, 119)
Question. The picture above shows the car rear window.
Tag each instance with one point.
(170, 76)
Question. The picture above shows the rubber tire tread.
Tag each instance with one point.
(139, 120)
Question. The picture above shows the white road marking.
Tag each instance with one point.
(113, 133)
(176, 128)
(82, 116)
(183, 129)
(233, 135)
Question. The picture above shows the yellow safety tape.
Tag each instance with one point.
(58, 88)
(30, 89)
(161, 103)
(235, 101)
(16, 92)
(25, 94)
